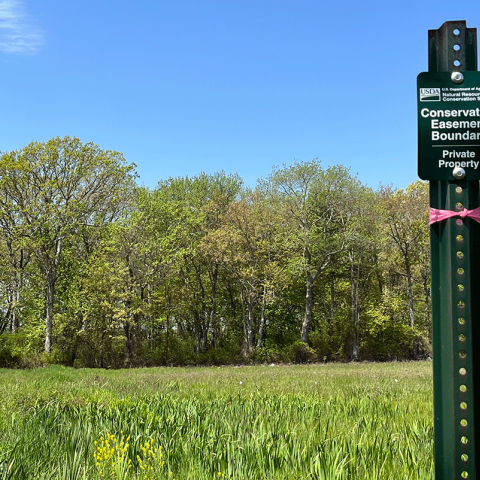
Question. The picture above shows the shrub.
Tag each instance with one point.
(268, 355)
(300, 352)
(17, 351)
(8, 359)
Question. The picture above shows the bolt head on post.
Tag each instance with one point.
(457, 77)
(459, 173)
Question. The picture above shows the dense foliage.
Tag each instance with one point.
(310, 265)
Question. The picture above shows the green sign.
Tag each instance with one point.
(448, 125)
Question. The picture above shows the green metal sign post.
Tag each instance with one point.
(449, 157)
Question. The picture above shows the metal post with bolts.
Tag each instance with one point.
(455, 253)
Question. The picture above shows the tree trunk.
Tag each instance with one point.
(15, 300)
(248, 308)
(197, 332)
(251, 315)
(15, 322)
(73, 353)
(426, 296)
(410, 294)
(261, 328)
(166, 356)
(214, 316)
(244, 314)
(51, 278)
(307, 319)
(354, 280)
(332, 312)
(129, 339)
(410, 307)
(205, 330)
(17, 286)
(52, 268)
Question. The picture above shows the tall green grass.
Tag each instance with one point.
(366, 421)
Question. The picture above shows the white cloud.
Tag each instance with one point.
(18, 32)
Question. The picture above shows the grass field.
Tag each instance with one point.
(346, 421)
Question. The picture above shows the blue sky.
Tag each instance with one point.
(180, 87)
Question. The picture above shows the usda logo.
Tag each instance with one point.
(429, 94)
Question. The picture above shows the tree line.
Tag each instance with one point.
(310, 265)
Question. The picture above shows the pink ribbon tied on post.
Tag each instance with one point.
(437, 215)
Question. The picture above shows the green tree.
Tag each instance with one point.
(15, 256)
(406, 247)
(248, 246)
(186, 210)
(361, 252)
(56, 189)
(314, 205)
